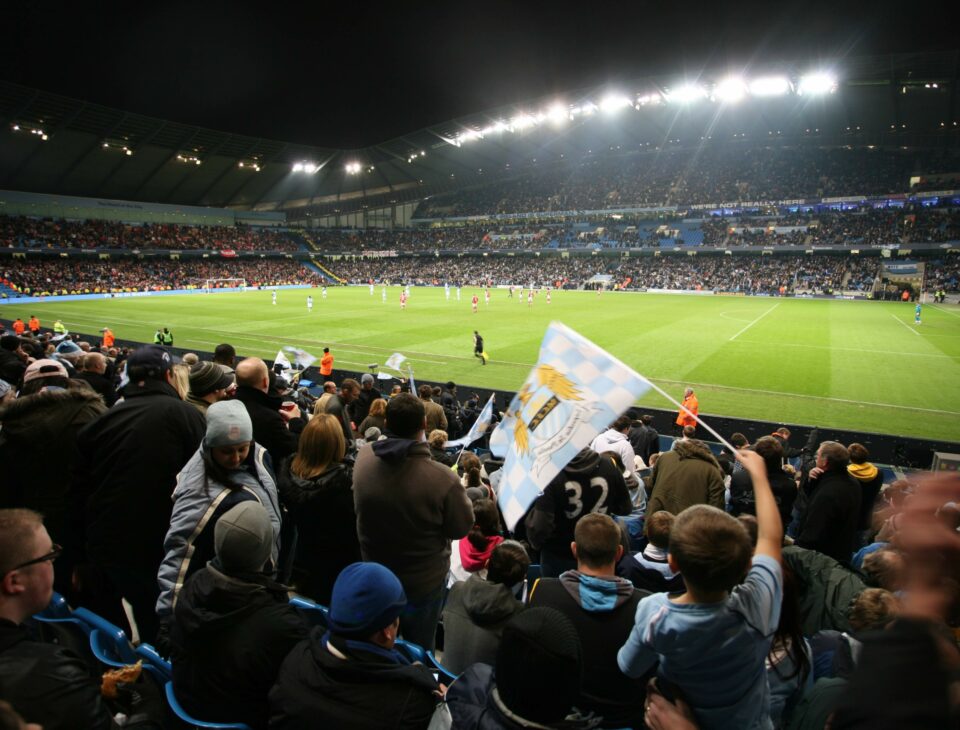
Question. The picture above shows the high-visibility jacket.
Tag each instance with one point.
(326, 365)
(59, 328)
(18, 326)
(690, 403)
(107, 338)
(34, 324)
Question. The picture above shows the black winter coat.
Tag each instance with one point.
(49, 684)
(782, 485)
(269, 429)
(230, 636)
(322, 510)
(12, 368)
(832, 518)
(365, 689)
(126, 471)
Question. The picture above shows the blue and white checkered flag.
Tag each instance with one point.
(575, 391)
(478, 428)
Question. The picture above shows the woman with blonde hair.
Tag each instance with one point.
(376, 417)
(316, 487)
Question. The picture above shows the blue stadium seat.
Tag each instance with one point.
(58, 609)
(108, 643)
(185, 717)
(445, 675)
(413, 652)
(315, 614)
(533, 572)
(159, 667)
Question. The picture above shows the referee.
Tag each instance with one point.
(478, 347)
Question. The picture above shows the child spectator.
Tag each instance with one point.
(649, 570)
(711, 642)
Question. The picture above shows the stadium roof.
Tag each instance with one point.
(55, 144)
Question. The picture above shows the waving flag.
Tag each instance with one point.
(282, 361)
(394, 361)
(478, 429)
(301, 358)
(575, 391)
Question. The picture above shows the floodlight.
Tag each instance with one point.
(298, 167)
(589, 108)
(558, 113)
(687, 93)
(814, 84)
(522, 121)
(770, 86)
(653, 98)
(730, 90)
(614, 102)
(352, 168)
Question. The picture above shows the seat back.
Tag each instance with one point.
(186, 718)
(108, 643)
(313, 612)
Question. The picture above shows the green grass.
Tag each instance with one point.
(853, 365)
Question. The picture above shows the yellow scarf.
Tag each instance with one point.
(864, 472)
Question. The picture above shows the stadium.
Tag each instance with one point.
(637, 276)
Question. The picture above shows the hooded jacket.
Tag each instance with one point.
(230, 637)
(198, 503)
(327, 681)
(472, 559)
(322, 509)
(473, 619)
(603, 611)
(48, 684)
(587, 484)
(408, 509)
(38, 448)
(683, 477)
(269, 429)
(870, 479)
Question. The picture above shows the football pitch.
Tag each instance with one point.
(852, 365)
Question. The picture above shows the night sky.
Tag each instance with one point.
(354, 74)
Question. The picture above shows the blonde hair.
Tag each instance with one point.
(321, 444)
(181, 379)
(437, 438)
(378, 407)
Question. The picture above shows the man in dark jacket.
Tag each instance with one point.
(683, 477)
(587, 484)
(46, 683)
(13, 360)
(278, 431)
(602, 607)
(832, 517)
(352, 677)
(93, 371)
(408, 508)
(782, 485)
(644, 438)
(43, 427)
(338, 405)
(120, 504)
(234, 626)
(360, 407)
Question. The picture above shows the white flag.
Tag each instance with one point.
(394, 361)
(282, 361)
(301, 358)
(478, 429)
(575, 391)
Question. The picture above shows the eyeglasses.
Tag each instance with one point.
(51, 556)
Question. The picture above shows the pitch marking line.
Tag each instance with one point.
(909, 328)
(945, 311)
(754, 322)
(667, 380)
(725, 315)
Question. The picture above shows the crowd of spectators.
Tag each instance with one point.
(46, 277)
(714, 175)
(777, 587)
(24, 232)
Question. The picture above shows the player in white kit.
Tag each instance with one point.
(309, 303)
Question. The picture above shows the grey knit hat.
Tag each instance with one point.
(228, 424)
(243, 538)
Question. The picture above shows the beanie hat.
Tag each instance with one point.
(45, 369)
(243, 538)
(540, 648)
(205, 377)
(366, 598)
(10, 342)
(366, 378)
(68, 348)
(228, 424)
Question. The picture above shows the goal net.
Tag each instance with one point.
(213, 284)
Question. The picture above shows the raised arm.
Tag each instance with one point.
(769, 527)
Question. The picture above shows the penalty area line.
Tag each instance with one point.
(754, 322)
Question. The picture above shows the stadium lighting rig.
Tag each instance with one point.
(37, 131)
(308, 168)
(725, 91)
(188, 159)
(249, 165)
(118, 145)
